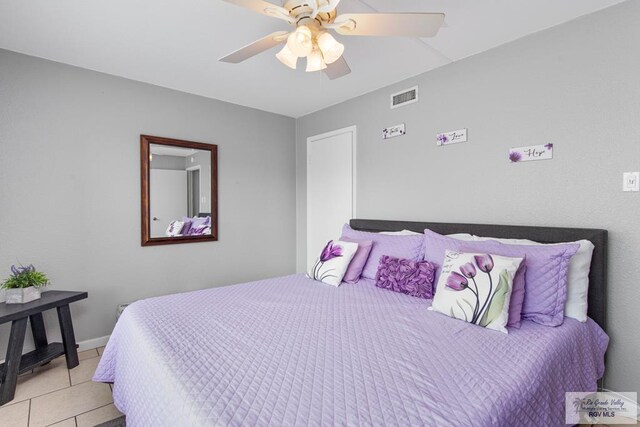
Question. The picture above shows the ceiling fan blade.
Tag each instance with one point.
(263, 7)
(256, 47)
(337, 69)
(389, 24)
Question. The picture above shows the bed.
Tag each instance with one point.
(291, 351)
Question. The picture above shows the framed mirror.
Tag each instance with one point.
(179, 191)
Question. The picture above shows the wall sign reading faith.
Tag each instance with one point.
(454, 137)
(531, 153)
(393, 131)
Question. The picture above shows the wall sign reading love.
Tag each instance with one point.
(453, 137)
(531, 153)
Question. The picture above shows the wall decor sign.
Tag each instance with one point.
(531, 153)
(393, 131)
(446, 138)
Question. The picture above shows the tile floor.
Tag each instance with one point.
(53, 395)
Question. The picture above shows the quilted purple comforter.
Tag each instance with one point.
(291, 351)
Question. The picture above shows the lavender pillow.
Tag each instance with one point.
(539, 288)
(196, 221)
(409, 247)
(200, 230)
(407, 276)
(359, 260)
(186, 227)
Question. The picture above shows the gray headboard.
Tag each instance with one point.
(597, 276)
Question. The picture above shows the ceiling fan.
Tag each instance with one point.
(311, 38)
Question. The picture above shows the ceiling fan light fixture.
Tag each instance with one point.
(315, 62)
(287, 57)
(300, 42)
(331, 49)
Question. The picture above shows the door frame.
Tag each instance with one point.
(354, 143)
(197, 168)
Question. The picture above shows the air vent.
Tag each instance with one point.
(406, 97)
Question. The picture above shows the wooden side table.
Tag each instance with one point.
(17, 363)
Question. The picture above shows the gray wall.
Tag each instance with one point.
(576, 86)
(70, 187)
(177, 163)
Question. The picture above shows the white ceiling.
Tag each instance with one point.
(165, 150)
(176, 43)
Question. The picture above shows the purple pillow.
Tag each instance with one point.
(186, 227)
(409, 247)
(358, 261)
(540, 284)
(200, 230)
(196, 221)
(407, 276)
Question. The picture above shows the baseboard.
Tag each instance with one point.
(82, 345)
(93, 343)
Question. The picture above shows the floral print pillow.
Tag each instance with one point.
(333, 262)
(476, 288)
(409, 277)
(174, 229)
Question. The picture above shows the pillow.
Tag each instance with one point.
(400, 233)
(407, 276)
(359, 260)
(462, 236)
(186, 227)
(200, 230)
(195, 221)
(577, 278)
(539, 290)
(409, 247)
(436, 246)
(174, 229)
(476, 288)
(332, 263)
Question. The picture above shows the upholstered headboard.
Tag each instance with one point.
(597, 276)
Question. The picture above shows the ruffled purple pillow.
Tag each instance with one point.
(409, 277)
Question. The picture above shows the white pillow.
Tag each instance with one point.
(462, 236)
(333, 262)
(577, 277)
(174, 229)
(476, 288)
(399, 233)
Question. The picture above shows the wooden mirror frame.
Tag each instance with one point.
(145, 143)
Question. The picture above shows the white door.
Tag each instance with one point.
(168, 198)
(330, 187)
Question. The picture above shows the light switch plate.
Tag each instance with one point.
(631, 181)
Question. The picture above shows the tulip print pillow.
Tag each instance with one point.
(174, 229)
(333, 262)
(476, 288)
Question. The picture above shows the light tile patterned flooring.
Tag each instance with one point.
(53, 395)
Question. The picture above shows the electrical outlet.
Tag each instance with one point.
(631, 181)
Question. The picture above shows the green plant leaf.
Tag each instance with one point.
(497, 300)
(25, 280)
(466, 319)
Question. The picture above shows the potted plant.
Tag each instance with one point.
(24, 285)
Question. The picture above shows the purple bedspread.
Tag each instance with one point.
(291, 351)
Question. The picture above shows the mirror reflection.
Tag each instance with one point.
(179, 191)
